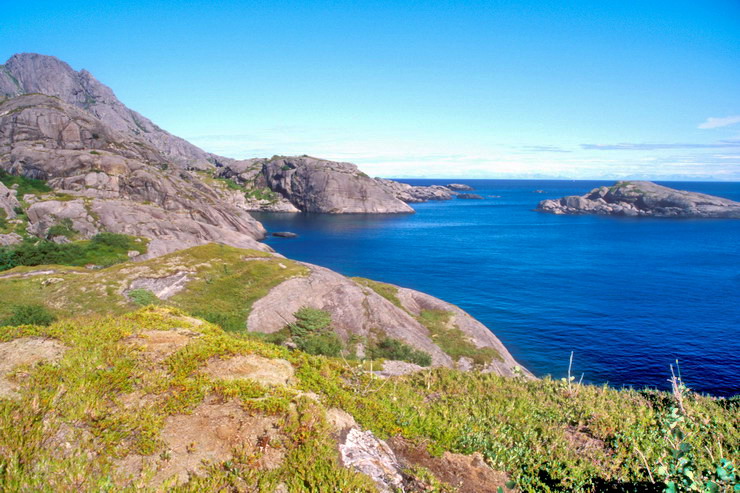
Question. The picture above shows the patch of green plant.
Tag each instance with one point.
(229, 183)
(394, 349)
(62, 228)
(103, 249)
(387, 291)
(29, 315)
(311, 333)
(454, 341)
(25, 185)
(263, 194)
(143, 297)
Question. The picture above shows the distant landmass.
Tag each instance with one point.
(643, 198)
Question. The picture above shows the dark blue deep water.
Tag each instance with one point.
(628, 296)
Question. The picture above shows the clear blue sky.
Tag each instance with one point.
(427, 89)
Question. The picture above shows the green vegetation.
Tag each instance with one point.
(263, 194)
(311, 332)
(63, 228)
(389, 348)
(546, 435)
(29, 315)
(103, 249)
(224, 294)
(454, 341)
(387, 291)
(143, 297)
(25, 185)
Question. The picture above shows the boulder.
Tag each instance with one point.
(469, 196)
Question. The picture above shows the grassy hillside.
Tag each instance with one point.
(128, 402)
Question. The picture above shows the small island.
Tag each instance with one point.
(643, 198)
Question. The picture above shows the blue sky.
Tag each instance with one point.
(609, 89)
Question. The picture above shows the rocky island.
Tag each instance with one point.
(643, 198)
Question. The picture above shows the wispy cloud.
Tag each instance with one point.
(715, 122)
(631, 146)
(541, 148)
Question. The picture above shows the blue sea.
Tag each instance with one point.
(628, 296)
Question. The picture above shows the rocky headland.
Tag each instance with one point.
(643, 198)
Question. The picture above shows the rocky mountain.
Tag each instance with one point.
(643, 198)
(106, 180)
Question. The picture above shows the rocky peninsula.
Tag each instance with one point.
(643, 198)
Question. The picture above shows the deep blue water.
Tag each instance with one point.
(628, 296)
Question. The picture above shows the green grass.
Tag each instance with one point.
(546, 435)
(25, 185)
(387, 291)
(263, 194)
(454, 341)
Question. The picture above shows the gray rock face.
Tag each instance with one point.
(316, 185)
(122, 184)
(27, 73)
(414, 194)
(643, 198)
(364, 452)
(469, 196)
(359, 311)
(8, 202)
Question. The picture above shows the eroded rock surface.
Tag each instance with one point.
(643, 198)
(364, 452)
(24, 351)
(262, 370)
(209, 435)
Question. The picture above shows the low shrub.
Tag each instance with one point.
(29, 315)
(104, 249)
(143, 297)
(389, 348)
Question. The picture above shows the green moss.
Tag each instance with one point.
(387, 291)
(29, 315)
(454, 341)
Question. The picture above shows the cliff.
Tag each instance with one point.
(643, 198)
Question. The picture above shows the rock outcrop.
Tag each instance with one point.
(117, 181)
(8, 202)
(317, 185)
(414, 194)
(469, 196)
(358, 311)
(459, 187)
(643, 198)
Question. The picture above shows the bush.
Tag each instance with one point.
(389, 348)
(143, 297)
(29, 315)
(325, 343)
(103, 249)
(312, 334)
(63, 228)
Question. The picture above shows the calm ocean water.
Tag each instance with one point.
(628, 296)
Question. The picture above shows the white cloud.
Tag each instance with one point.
(714, 122)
